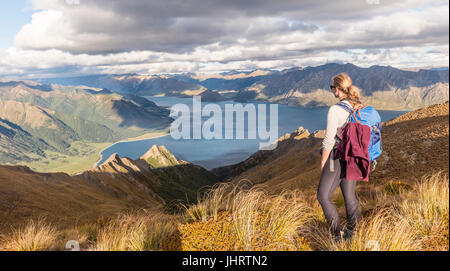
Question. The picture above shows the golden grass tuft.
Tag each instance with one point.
(34, 236)
(211, 202)
(426, 209)
(286, 214)
(380, 231)
(135, 232)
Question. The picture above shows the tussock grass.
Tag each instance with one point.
(426, 209)
(245, 211)
(397, 216)
(34, 236)
(287, 214)
(218, 198)
(209, 204)
(135, 232)
(124, 233)
(381, 231)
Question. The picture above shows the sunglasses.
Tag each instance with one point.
(332, 87)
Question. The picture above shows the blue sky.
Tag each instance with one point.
(79, 37)
(13, 15)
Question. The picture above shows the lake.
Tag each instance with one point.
(216, 153)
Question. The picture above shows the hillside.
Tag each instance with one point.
(16, 143)
(155, 181)
(71, 123)
(96, 105)
(39, 122)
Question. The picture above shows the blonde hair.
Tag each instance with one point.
(351, 92)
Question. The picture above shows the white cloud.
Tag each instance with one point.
(48, 29)
(191, 35)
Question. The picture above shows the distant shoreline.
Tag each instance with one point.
(151, 135)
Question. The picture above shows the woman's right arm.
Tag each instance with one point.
(330, 134)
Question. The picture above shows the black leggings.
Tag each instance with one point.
(328, 183)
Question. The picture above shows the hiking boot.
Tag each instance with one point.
(348, 234)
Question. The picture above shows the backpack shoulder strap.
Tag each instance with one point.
(345, 107)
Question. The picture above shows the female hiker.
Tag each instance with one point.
(333, 170)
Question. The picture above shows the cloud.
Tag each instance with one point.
(197, 35)
(105, 26)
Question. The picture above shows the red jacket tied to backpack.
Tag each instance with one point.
(353, 149)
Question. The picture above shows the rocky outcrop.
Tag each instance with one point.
(159, 156)
(116, 164)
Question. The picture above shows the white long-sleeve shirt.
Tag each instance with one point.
(336, 119)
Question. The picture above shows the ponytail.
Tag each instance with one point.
(351, 92)
(353, 95)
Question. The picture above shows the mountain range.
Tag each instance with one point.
(385, 87)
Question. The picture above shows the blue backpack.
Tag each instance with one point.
(367, 115)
